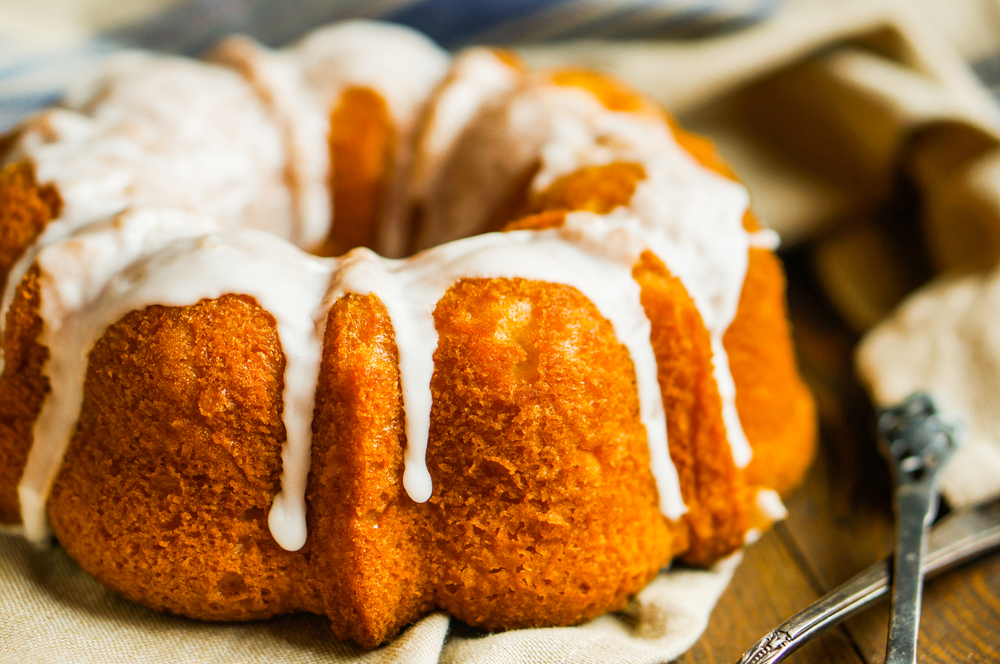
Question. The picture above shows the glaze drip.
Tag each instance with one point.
(140, 258)
(593, 254)
(94, 277)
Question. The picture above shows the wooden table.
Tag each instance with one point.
(840, 522)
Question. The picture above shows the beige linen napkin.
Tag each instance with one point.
(835, 117)
(52, 612)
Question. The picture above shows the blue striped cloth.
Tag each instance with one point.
(31, 77)
(988, 70)
(191, 27)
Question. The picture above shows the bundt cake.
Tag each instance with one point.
(581, 372)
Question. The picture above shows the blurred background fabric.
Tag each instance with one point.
(45, 44)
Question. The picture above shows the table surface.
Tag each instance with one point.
(840, 522)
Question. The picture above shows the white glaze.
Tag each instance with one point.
(403, 67)
(161, 130)
(691, 217)
(765, 238)
(478, 77)
(769, 504)
(150, 130)
(304, 123)
(769, 508)
(247, 147)
(92, 279)
(592, 253)
(74, 270)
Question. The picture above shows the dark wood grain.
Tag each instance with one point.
(960, 620)
(769, 586)
(840, 522)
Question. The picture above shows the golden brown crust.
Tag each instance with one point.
(165, 489)
(775, 407)
(25, 209)
(613, 94)
(527, 460)
(23, 387)
(598, 189)
(712, 487)
(374, 540)
(7, 142)
(362, 156)
(509, 58)
(535, 435)
(538, 222)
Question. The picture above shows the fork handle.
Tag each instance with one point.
(956, 539)
(915, 506)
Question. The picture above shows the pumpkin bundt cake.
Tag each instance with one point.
(581, 372)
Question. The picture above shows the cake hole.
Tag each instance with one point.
(231, 584)
(253, 515)
(527, 369)
(495, 469)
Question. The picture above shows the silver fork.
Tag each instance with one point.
(917, 442)
(913, 433)
(958, 538)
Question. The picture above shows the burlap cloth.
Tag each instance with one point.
(856, 126)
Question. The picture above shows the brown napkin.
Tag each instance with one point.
(837, 118)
